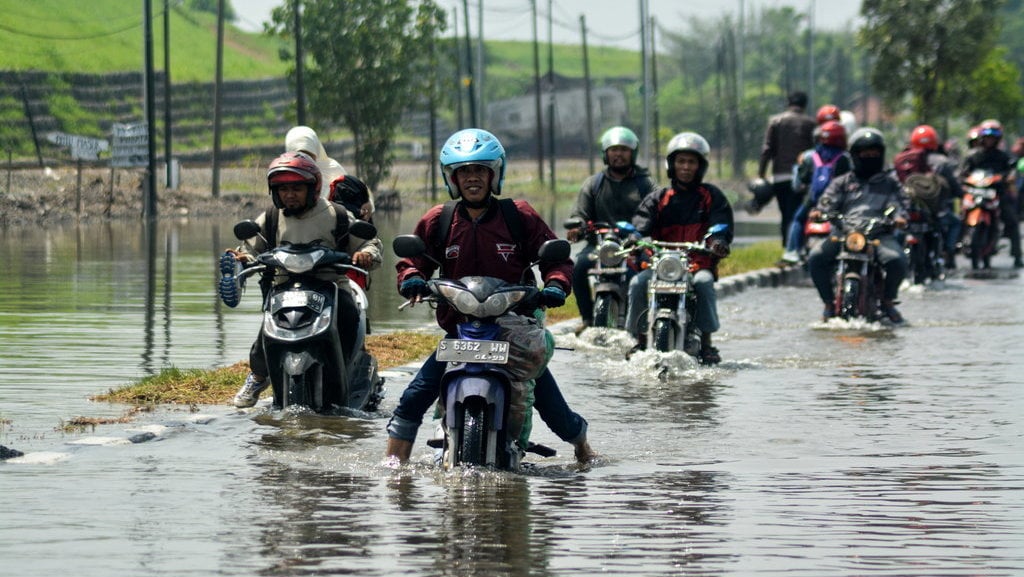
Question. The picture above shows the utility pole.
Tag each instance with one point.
(654, 90)
(810, 55)
(480, 62)
(551, 95)
(458, 69)
(167, 91)
(218, 89)
(536, 97)
(469, 67)
(149, 207)
(587, 95)
(300, 68)
(645, 141)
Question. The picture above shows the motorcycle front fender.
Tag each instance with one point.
(614, 289)
(489, 387)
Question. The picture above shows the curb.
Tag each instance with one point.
(761, 278)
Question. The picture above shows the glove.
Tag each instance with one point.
(228, 287)
(552, 296)
(630, 240)
(718, 247)
(413, 287)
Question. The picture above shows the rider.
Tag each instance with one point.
(480, 241)
(609, 196)
(988, 156)
(302, 215)
(925, 138)
(683, 212)
(865, 193)
(815, 169)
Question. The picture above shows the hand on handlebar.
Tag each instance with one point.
(552, 296)
(573, 234)
(899, 222)
(414, 289)
(362, 259)
(718, 247)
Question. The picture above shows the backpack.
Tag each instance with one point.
(911, 161)
(920, 183)
(644, 187)
(822, 174)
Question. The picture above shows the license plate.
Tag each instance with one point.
(471, 351)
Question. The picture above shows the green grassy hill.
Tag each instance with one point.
(102, 36)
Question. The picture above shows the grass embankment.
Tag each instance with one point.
(217, 386)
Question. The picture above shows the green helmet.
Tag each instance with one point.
(618, 136)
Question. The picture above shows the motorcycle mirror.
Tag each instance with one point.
(362, 229)
(554, 250)
(574, 222)
(246, 229)
(408, 245)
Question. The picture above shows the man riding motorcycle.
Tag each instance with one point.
(609, 196)
(302, 215)
(866, 192)
(988, 156)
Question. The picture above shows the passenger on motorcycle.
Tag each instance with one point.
(609, 196)
(683, 212)
(988, 156)
(925, 138)
(816, 168)
(855, 197)
(480, 241)
(303, 216)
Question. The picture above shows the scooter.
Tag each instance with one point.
(489, 364)
(307, 364)
(981, 222)
(609, 277)
(923, 246)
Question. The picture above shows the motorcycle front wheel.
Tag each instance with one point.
(606, 312)
(473, 446)
(849, 304)
(979, 239)
(664, 335)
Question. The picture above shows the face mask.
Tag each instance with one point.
(865, 167)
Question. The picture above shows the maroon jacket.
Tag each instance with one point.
(485, 247)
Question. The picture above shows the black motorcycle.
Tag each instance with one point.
(307, 364)
(609, 277)
(860, 277)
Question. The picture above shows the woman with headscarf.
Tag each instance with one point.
(304, 139)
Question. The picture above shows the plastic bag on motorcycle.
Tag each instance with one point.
(530, 349)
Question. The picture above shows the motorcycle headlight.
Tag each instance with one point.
(608, 255)
(466, 303)
(669, 268)
(855, 242)
(299, 262)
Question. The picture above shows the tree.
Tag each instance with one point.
(926, 48)
(369, 61)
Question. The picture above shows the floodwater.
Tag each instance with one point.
(812, 450)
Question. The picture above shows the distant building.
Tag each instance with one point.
(514, 120)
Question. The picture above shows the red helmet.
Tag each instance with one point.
(828, 112)
(294, 167)
(831, 133)
(925, 137)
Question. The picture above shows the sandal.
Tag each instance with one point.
(709, 356)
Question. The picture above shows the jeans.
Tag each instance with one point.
(822, 261)
(581, 282)
(424, 388)
(795, 239)
(705, 311)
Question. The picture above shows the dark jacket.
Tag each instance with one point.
(684, 213)
(788, 134)
(485, 247)
(613, 200)
(860, 200)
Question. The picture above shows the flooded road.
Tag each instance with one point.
(811, 450)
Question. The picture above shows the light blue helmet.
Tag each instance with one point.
(473, 146)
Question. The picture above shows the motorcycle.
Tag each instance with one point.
(671, 298)
(981, 222)
(859, 277)
(307, 364)
(923, 245)
(483, 393)
(609, 277)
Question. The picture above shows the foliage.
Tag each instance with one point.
(370, 60)
(928, 49)
(211, 6)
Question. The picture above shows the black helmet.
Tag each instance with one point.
(864, 138)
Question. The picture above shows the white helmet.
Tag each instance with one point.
(687, 142)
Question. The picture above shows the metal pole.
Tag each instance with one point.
(551, 99)
(300, 68)
(536, 90)
(167, 92)
(469, 67)
(587, 95)
(149, 203)
(645, 146)
(218, 89)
